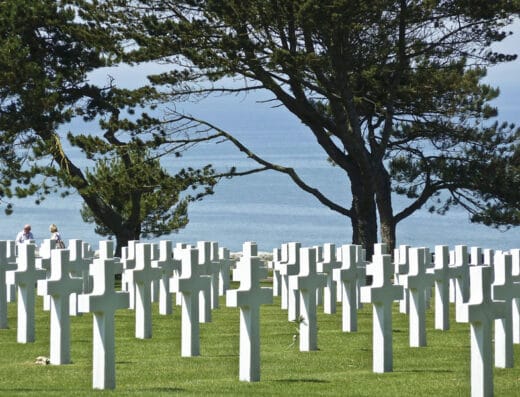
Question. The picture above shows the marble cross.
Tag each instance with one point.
(402, 266)
(128, 261)
(480, 311)
(59, 286)
(306, 282)
(441, 275)
(25, 278)
(103, 302)
(290, 266)
(381, 294)
(204, 248)
(225, 267)
(319, 259)
(190, 284)
(380, 249)
(273, 265)
(346, 278)
(475, 256)
(79, 267)
(417, 282)
(515, 276)
(168, 266)
(177, 255)
(43, 261)
(248, 297)
(154, 292)
(7, 263)
(9, 275)
(461, 276)
(141, 277)
(214, 273)
(504, 289)
(327, 266)
(488, 257)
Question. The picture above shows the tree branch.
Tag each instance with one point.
(267, 165)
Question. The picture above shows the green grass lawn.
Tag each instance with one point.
(341, 366)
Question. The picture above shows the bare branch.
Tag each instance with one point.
(275, 167)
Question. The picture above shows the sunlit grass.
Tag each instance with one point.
(341, 366)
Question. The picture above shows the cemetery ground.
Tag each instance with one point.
(341, 366)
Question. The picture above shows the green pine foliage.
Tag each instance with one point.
(391, 90)
(48, 53)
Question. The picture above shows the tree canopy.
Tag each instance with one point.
(47, 55)
(391, 90)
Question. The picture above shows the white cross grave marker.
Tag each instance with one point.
(480, 311)
(417, 282)
(214, 273)
(441, 274)
(9, 275)
(43, 261)
(25, 278)
(128, 261)
(7, 263)
(306, 283)
(475, 256)
(177, 255)
(381, 294)
(504, 289)
(79, 267)
(249, 296)
(290, 267)
(102, 302)
(168, 266)
(402, 266)
(154, 285)
(346, 277)
(224, 274)
(204, 248)
(141, 278)
(461, 274)
(273, 265)
(190, 284)
(515, 257)
(429, 265)
(88, 254)
(488, 257)
(319, 258)
(328, 266)
(59, 286)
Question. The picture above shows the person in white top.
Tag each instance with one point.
(25, 234)
(55, 235)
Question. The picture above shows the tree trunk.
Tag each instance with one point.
(384, 208)
(123, 237)
(364, 219)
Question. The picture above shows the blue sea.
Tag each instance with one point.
(267, 207)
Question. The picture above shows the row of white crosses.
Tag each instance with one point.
(300, 278)
(485, 289)
(63, 275)
(415, 274)
(340, 274)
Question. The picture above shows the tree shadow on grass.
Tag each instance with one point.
(220, 355)
(165, 389)
(438, 371)
(301, 381)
